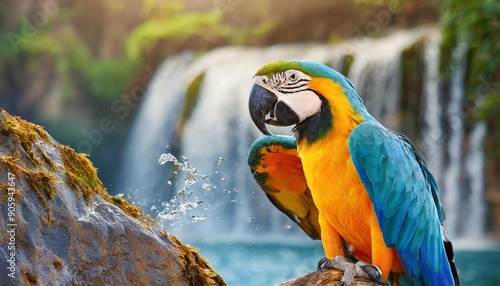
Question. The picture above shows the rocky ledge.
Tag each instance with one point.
(60, 226)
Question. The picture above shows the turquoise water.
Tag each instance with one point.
(243, 264)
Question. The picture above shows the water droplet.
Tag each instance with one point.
(169, 183)
(196, 218)
(223, 178)
(288, 226)
(120, 195)
(249, 219)
(206, 186)
(220, 160)
(166, 157)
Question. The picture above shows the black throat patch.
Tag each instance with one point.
(317, 126)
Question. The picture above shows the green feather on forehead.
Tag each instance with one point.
(309, 68)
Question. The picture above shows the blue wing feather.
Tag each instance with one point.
(405, 199)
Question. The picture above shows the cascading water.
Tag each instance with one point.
(153, 129)
(216, 136)
(432, 129)
(376, 74)
(453, 154)
(475, 164)
(452, 186)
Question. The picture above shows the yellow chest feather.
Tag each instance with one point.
(338, 191)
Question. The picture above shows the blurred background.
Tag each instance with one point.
(128, 81)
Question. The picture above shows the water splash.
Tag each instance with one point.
(185, 199)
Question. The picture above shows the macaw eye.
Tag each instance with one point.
(293, 77)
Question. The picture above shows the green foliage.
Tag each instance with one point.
(75, 45)
(475, 23)
(73, 61)
(177, 28)
(192, 93)
(108, 78)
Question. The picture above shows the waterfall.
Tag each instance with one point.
(475, 168)
(453, 191)
(216, 136)
(458, 169)
(153, 129)
(432, 129)
(376, 74)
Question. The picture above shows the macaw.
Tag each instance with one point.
(344, 178)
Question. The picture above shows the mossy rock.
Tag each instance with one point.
(70, 231)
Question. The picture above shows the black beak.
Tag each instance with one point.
(263, 102)
(260, 104)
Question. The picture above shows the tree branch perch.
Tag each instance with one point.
(327, 277)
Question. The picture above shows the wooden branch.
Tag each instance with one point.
(327, 277)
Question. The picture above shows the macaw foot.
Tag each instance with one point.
(350, 269)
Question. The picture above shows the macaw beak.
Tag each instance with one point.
(263, 102)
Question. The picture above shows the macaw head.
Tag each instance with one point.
(309, 95)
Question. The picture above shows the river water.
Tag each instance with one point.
(270, 264)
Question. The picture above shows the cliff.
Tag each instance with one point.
(60, 226)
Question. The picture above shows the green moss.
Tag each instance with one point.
(346, 63)
(42, 183)
(5, 189)
(29, 277)
(26, 134)
(195, 268)
(12, 165)
(475, 25)
(129, 209)
(58, 263)
(192, 94)
(81, 174)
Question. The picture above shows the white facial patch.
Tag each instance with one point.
(304, 103)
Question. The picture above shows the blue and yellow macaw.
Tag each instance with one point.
(362, 189)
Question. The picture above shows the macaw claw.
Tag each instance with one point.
(350, 269)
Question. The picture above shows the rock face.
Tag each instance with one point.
(59, 226)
